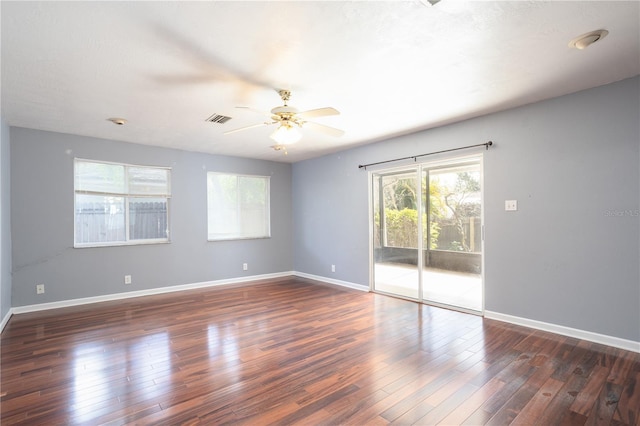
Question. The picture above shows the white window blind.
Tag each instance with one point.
(237, 206)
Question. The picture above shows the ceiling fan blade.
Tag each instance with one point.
(331, 131)
(246, 128)
(320, 112)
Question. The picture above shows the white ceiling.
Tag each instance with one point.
(389, 67)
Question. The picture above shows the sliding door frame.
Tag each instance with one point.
(419, 168)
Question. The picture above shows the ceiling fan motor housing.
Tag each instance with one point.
(284, 110)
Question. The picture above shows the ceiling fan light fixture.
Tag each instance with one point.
(289, 121)
(286, 134)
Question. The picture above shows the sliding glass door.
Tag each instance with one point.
(396, 233)
(427, 233)
(453, 255)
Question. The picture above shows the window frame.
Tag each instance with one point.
(267, 212)
(126, 195)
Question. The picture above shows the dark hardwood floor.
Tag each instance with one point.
(294, 352)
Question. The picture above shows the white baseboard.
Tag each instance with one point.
(171, 289)
(332, 281)
(617, 342)
(5, 320)
(127, 295)
(603, 339)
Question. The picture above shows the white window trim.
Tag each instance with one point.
(126, 196)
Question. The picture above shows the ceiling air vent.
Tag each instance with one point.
(217, 118)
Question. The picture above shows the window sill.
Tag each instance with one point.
(121, 244)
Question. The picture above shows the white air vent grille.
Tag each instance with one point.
(217, 118)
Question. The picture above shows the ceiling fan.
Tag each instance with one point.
(290, 121)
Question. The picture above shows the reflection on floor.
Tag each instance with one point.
(451, 288)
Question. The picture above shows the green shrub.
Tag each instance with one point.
(402, 228)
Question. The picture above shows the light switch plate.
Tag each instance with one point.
(511, 205)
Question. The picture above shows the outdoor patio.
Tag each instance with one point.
(460, 289)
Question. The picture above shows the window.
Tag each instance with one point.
(238, 206)
(120, 204)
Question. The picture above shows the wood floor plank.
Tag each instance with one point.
(538, 403)
(558, 410)
(473, 403)
(586, 398)
(455, 384)
(605, 405)
(345, 408)
(294, 351)
(628, 408)
(447, 406)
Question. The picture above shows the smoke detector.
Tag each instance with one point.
(586, 40)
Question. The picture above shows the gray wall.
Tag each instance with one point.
(42, 228)
(5, 221)
(568, 256)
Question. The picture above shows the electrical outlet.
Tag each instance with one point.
(127, 279)
(333, 268)
(245, 266)
(40, 289)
